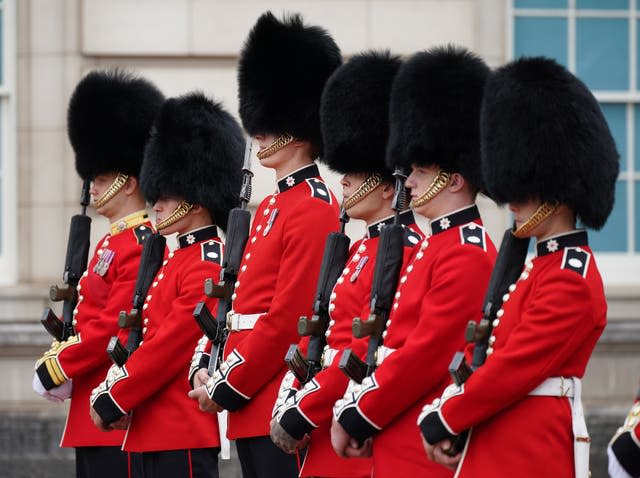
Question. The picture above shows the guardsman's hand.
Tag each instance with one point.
(97, 420)
(121, 423)
(346, 446)
(284, 441)
(438, 453)
(205, 403)
(200, 378)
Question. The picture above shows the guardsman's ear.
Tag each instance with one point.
(388, 190)
(456, 183)
(131, 185)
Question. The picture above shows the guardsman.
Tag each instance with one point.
(109, 118)
(191, 172)
(354, 116)
(548, 152)
(624, 449)
(283, 68)
(434, 129)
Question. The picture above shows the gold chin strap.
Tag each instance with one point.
(544, 211)
(115, 187)
(181, 211)
(437, 185)
(277, 145)
(373, 181)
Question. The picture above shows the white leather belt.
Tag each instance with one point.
(238, 322)
(328, 356)
(382, 354)
(571, 388)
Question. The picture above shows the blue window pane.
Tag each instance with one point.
(602, 53)
(541, 4)
(616, 115)
(603, 4)
(613, 236)
(541, 36)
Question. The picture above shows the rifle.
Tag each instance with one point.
(237, 235)
(150, 262)
(385, 281)
(507, 269)
(75, 265)
(336, 254)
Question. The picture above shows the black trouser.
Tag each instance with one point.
(194, 463)
(107, 462)
(260, 458)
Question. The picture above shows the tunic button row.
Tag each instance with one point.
(145, 321)
(155, 284)
(512, 287)
(171, 254)
(272, 201)
(345, 271)
(332, 307)
(333, 296)
(506, 297)
(74, 322)
(403, 279)
(259, 228)
(356, 258)
(419, 255)
(145, 306)
(266, 211)
(340, 280)
(236, 285)
(332, 323)
(253, 239)
(495, 323)
(161, 276)
(165, 262)
(384, 334)
(144, 330)
(247, 256)
(99, 252)
(388, 323)
(410, 268)
(397, 296)
(148, 297)
(78, 287)
(500, 313)
(327, 333)
(489, 350)
(234, 296)
(362, 248)
(492, 340)
(243, 268)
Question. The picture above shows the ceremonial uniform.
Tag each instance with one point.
(440, 290)
(522, 406)
(624, 449)
(194, 159)
(549, 324)
(282, 69)
(107, 138)
(310, 411)
(152, 382)
(274, 288)
(103, 291)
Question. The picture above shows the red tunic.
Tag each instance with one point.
(550, 323)
(441, 289)
(153, 384)
(311, 409)
(277, 279)
(83, 358)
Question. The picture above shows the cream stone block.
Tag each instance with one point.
(48, 106)
(407, 26)
(47, 22)
(23, 19)
(47, 167)
(49, 229)
(611, 377)
(220, 27)
(490, 21)
(143, 27)
(72, 26)
(24, 168)
(23, 92)
(24, 244)
(74, 70)
(72, 184)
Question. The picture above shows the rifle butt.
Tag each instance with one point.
(297, 363)
(118, 353)
(52, 324)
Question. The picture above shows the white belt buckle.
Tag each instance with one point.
(231, 315)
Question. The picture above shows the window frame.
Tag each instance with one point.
(8, 130)
(617, 268)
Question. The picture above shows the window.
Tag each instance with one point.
(598, 41)
(8, 206)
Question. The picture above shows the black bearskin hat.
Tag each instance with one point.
(435, 112)
(282, 69)
(109, 118)
(354, 114)
(195, 152)
(544, 136)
